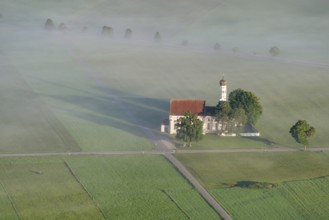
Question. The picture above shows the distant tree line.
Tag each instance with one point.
(108, 31)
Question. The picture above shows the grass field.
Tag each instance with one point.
(27, 124)
(120, 187)
(140, 187)
(306, 199)
(43, 189)
(300, 182)
(212, 141)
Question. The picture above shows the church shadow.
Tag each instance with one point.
(262, 140)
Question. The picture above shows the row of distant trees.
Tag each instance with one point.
(108, 31)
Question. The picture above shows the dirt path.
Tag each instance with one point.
(179, 166)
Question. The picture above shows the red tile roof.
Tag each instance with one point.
(180, 106)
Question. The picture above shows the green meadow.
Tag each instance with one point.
(35, 188)
(303, 199)
(298, 183)
(118, 187)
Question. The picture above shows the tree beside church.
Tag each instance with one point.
(227, 118)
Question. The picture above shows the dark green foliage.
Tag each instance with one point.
(49, 24)
(248, 102)
(107, 31)
(239, 118)
(254, 185)
(128, 33)
(274, 51)
(157, 37)
(223, 114)
(302, 131)
(189, 128)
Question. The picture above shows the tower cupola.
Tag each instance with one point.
(223, 90)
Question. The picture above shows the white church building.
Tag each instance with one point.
(205, 113)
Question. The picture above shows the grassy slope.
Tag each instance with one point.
(45, 189)
(299, 193)
(140, 187)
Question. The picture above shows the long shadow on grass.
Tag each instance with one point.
(105, 111)
(261, 139)
(114, 108)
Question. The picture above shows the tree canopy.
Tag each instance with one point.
(49, 24)
(223, 113)
(189, 128)
(274, 51)
(249, 102)
(301, 131)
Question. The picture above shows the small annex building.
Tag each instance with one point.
(207, 114)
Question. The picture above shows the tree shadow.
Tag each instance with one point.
(253, 184)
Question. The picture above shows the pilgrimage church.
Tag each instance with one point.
(205, 113)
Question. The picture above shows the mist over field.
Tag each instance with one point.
(299, 28)
(99, 89)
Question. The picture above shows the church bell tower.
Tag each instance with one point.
(223, 90)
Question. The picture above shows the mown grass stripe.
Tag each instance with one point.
(175, 202)
(11, 201)
(85, 189)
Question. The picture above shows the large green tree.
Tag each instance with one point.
(249, 102)
(189, 128)
(301, 132)
(238, 119)
(223, 113)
